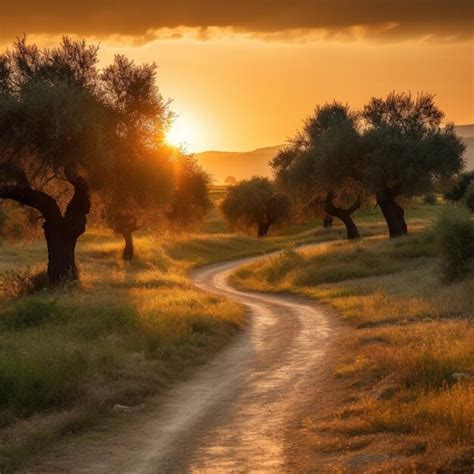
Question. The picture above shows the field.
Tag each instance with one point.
(125, 333)
(406, 365)
(132, 329)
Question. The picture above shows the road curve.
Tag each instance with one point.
(235, 413)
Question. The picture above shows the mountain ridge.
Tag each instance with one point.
(244, 165)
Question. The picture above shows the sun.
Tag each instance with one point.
(180, 133)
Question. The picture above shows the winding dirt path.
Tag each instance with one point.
(237, 412)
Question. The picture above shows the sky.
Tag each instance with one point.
(244, 74)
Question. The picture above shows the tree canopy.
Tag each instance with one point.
(407, 148)
(321, 168)
(56, 132)
(255, 203)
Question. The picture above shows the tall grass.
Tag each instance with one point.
(412, 332)
(126, 332)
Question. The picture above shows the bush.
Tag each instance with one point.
(455, 234)
(469, 197)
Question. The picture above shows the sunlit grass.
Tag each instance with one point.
(126, 332)
(412, 334)
(130, 329)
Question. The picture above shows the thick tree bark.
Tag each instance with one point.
(128, 250)
(327, 221)
(61, 232)
(393, 213)
(61, 245)
(263, 229)
(344, 215)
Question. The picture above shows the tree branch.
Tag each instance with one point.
(333, 210)
(30, 197)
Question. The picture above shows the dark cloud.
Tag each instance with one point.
(389, 19)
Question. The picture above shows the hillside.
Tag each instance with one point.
(243, 165)
(465, 131)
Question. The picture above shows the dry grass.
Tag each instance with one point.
(127, 332)
(412, 334)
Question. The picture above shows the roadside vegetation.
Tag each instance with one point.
(408, 363)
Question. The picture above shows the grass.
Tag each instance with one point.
(412, 334)
(129, 330)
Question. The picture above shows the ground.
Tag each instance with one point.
(132, 330)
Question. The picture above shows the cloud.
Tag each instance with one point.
(145, 20)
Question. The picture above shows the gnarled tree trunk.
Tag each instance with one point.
(345, 215)
(61, 245)
(61, 231)
(263, 228)
(128, 249)
(393, 213)
(327, 221)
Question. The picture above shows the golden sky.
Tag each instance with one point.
(243, 74)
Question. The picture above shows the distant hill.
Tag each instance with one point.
(240, 165)
(243, 165)
(465, 131)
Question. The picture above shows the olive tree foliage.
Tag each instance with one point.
(255, 204)
(321, 168)
(56, 134)
(407, 148)
(190, 201)
(141, 181)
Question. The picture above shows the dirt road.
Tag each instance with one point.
(237, 412)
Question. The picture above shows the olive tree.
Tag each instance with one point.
(406, 149)
(56, 134)
(190, 201)
(321, 167)
(255, 203)
(153, 186)
(140, 185)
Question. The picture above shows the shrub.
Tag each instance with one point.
(455, 234)
(469, 197)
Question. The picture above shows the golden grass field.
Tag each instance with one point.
(129, 330)
(126, 332)
(411, 336)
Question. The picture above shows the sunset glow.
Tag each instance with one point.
(181, 134)
(242, 75)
